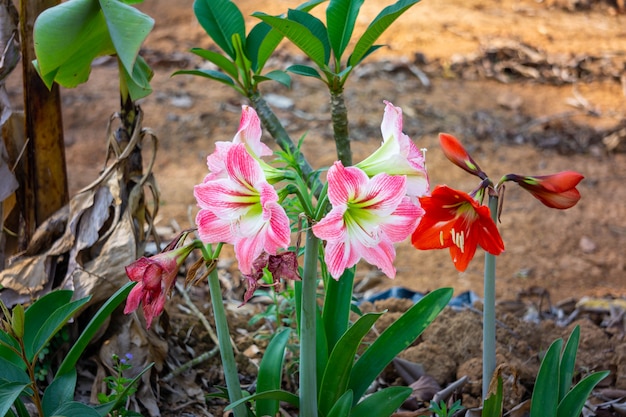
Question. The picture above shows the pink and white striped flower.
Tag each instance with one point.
(241, 208)
(398, 155)
(368, 216)
(249, 134)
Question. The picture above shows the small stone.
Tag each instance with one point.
(587, 245)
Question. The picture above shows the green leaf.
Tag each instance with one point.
(128, 29)
(337, 303)
(55, 320)
(220, 19)
(17, 320)
(316, 27)
(384, 19)
(568, 361)
(36, 315)
(271, 371)
(9, 392)
(340, 17)
(75, 409)
(8, 348)
(278, 395)
(94, 325)
(493, 404)
(218, 59)
(138, 82)
(105, 409)
(60, 391)
(67, 38)
(342, 406)
(277, 75)
(261, 44)
(381, 403)
(396, 338)
(337, 374)
(544, 400)
(309, 5)
(244, 66)
(574, 401)
(13, 372)
(213, 75)
(304, 70)
(299, 35)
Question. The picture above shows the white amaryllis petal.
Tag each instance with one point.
(398, 155)
(214, 229)
(368, 216)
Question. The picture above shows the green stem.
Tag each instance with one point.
(339, 115)
(275, 128)
(489, 308)
(308, 371)
(226, 350)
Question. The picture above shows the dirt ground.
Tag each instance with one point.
(531, 87)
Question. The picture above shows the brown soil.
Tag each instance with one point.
(554, 112)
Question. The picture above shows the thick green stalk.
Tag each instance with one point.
(275, 128)
(308, 371)
(339, 116)
(489, 309)
(226, 350)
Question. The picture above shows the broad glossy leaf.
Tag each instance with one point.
(93, 327)
(220, 19)
(381, 403)
(55, 320)
(6, 343)
(396, 338)
(544, 400)
(13, 372)
(568, 362)
(271, 371)
(337, 374)
(67, 38)
(278, 75)
(316, 27)
(213, 75)
(310, 5)
(575, 399)
(384, 19)
(128, 29)
(9, 392)
(340, 17)
(299, 35)
(60, 391)
(342, 406)
(37, 314)
(138, 83)
(75, 409)
(261, 44)
(304, 70)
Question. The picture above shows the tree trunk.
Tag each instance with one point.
(44, 190)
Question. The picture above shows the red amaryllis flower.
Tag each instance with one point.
(456, 153)
(455, 220)
(555, 191)
(155, 277)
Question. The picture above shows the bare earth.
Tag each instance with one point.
(561, 108)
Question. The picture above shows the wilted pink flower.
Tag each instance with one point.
(456, 153)
(368, 216)
(249, 134)
(555, 191)
(281, 266)
(155, 277)
(242, 208)
(398, 155)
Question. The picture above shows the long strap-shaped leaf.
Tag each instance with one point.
(381, 403)
(544, 401)
(574, 401)
(396, 338)
(270, 372)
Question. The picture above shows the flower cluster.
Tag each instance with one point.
(375, 204)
